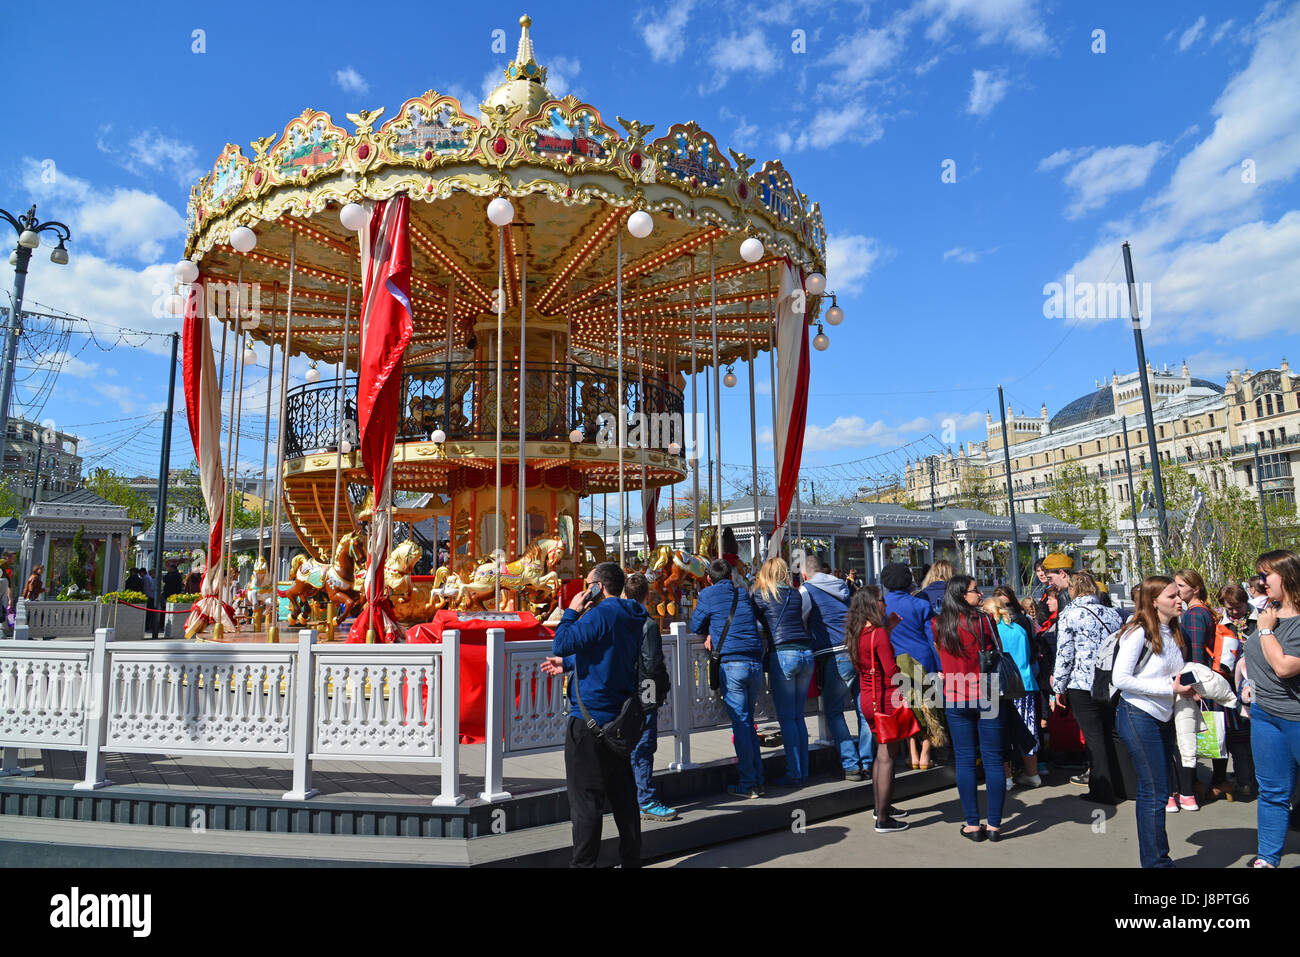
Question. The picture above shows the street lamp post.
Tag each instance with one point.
(29, 230)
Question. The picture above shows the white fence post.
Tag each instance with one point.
(493, 727)
(304, 717)
(97, 720)
(449, 675)
(683, 692)
(21, 632)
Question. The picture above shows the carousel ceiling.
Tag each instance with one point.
(573, 180)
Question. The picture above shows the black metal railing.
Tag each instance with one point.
(560, 398)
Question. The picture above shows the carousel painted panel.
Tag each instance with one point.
(776, 191)
(570, 134)
(226, 183)
(310, 146)
(427, 131)
(691, 156)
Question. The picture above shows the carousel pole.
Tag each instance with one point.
(753, 448)
(339, 391)
(521, 487)
(501, 312)
(717, 392)
(622, 418)
(446, 419)
(272, 569)
(217, 628)
(232, 433)
(672, 489)
(645, 422)
(234, 467)
(695, 419)
(273, 633)
(771, 373)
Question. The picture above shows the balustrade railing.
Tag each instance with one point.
(305, 703)
(560, 397)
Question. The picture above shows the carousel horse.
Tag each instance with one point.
(336, 580)
(526, 572)
(260, 592)
(673, 570)
(592, 551)
(417, 601)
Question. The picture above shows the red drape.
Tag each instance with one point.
(792, 394)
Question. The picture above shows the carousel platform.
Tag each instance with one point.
(214, 812)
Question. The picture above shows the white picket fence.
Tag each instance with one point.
(305, 703)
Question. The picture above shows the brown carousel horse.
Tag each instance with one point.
(417, 601)
(674, 570)
(336, 580)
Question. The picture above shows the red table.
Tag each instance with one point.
(473, 627)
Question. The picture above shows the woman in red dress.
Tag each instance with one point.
(874, 658)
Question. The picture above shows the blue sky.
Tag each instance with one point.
(1183, 136)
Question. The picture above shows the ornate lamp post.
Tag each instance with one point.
(29, 230)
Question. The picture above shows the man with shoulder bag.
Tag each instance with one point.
(598, 642)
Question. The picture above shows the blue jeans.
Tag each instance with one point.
(643, 760)
(742, 679)
(839, 693)
(1150, 744)
(1275, 745)
(975, 731)
(790, 674)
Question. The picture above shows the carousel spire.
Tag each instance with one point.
(524, 66)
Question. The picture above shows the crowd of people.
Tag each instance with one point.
(988, 681)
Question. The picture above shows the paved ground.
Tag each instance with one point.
(1050, 826)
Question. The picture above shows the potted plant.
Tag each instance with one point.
(124, 612)
(174, 622)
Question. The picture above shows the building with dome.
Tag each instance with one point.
(1211, 429)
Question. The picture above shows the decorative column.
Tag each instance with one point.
(108, 562)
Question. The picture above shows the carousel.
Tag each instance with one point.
(518, 301)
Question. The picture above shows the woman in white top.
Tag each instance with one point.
(1147, 666)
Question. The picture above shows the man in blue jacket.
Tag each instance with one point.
(736, 636)
(599, 641)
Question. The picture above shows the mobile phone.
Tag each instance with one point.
(1187, 679)
(593, 592)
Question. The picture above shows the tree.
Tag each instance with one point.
(186, 493)
(11, 502)
(79, 559)
(974, 491)
(112, 487)
(1077, 498)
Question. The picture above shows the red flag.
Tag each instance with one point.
(386, 327)
(792, 395)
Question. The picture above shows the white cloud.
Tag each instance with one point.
(1215, 364)
(927, 66)
(1015, 22)
(154, 152)
(561, 73)
(986, 91)
(737, 52)
(1114, 169)
(132, 223)
(350, 81)
(968, 256)
(1222, 30)
(470, 99)
(666, 36)
(830, 126)
(1062, 157)
(850, 259)
(1190, 34)
(855, 432)
(863, 55)
(1197, 238)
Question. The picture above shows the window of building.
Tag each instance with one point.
(1161, 431)
(1211, 420)
(1142, 460)
(1281, 433)
(1259, 408)
(1243, 413)
(1250, 479)
(1189, 453)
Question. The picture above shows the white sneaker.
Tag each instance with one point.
(1010, 784)
(1029, 781)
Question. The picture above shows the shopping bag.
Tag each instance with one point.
(1211, 739)
(1063, 731)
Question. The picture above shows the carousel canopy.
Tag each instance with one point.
(573, 178)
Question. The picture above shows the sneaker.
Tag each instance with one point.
(1029, 781)
(658, 811)
(1080, 779)
(1171, 807)
(893, 812)
(1010, 784)
(738, 791)
(1187, 802)
(1259, 862)
(853, 776)
(891, 826)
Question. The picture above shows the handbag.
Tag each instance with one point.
(996, 662)
(900, 724)
(715, 656)
(621, 734)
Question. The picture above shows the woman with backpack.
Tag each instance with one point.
(961, 632)
(790, 669)
(1148, 661)
(867, 636)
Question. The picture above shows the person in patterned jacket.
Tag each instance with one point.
(1082, 626)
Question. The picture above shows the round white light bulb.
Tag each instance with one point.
(439, 436)
(187, 270)
(29, 239)
(175, 305)
(313, 374)
(243, 239)
(575, 436)
(729, 379)
(674, 448)
(640, 225)
(815, 284)
(13, 258)
(250, 357)
(345, 446)
(751, 250)
(820, 342)
(834, 315)
(500, 211)
(59, 256)
(353, 216)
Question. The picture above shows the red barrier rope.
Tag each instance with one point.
(161, 611)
